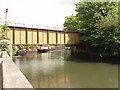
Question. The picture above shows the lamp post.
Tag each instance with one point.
(6, 11)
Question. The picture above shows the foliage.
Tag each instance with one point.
(6, 47)
(21, 47)
(28, 46)
(4, 29)
(98, 26)
(14, 50)
(71, 23)
(36, 46)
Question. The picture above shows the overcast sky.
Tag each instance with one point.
(38, 12)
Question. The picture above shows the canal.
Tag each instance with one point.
(59, 70)
(0, 76)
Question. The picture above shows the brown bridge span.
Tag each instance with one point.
(35, 36)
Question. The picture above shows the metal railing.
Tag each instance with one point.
(30, 25)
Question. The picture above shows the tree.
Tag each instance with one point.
(3, 32)
(71, 23)
(4, 29)
(98, 26)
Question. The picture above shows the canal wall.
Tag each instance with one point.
(12, 77)
(84, 52)
(81, 50)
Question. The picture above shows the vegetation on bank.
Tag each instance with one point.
(4, 29)
(97, 23)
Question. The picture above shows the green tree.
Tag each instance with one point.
(4, 29)
(98, 26)
(71, 23)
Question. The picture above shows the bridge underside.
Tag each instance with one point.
(35, 36)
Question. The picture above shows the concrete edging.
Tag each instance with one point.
(12, 77)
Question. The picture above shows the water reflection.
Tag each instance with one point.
(59, 70)
(57, 80)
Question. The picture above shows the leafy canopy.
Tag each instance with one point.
(97, 23)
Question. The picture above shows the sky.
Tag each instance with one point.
(38, 12)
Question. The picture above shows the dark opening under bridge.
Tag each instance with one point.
(36, 36)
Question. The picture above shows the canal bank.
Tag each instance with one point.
(84, 52)
(11, 76)
(32, 49)
(59, 70)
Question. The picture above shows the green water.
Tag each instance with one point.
(59, 70)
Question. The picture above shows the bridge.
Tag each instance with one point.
(37, 36)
